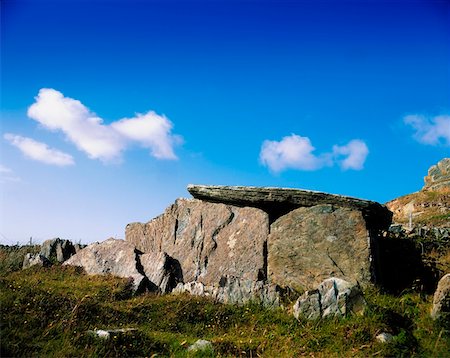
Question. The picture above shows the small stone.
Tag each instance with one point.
(35, 260)
(200, 345)
(385, 337)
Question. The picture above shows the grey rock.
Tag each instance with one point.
(333, 298)
(200, 345)
(441, 299)
(115, 257)
(311, 244)
(438, 177)
(234, 291)
(278, 201)
(35, 260)
(384, 337)
(162, 271)
(208, 240)
(57, 249)
(107, 333)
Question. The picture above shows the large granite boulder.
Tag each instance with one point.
(332, 298)
(441, 299)
(208, 240)
(311, 244)
(438, 177)
(115, 257)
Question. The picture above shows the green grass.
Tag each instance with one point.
(47, 312)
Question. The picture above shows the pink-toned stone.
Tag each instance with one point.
(209, 240)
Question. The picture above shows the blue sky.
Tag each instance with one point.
(110, 108)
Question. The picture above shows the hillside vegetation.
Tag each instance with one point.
(48, 312)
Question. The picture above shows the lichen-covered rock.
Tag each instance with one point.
(208, 240)
(35, 260)
(200, 346)
(58, 250)
(441, 299)
(438, 177)
(234, 291)
(333, 298)
(115, 257)
(309, 245)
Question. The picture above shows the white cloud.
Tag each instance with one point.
(98, 140)
(39, 151)
(296, 152)
(432, 131)
(355, 151)
(7, 175)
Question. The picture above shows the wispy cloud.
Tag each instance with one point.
(39, 151)
(88, 132)
(297, 152)
(8, 175)
(430, 130)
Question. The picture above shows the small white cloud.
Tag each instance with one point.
(98, 140)
(292, 152)
(432, 131)
(296, 152)
(39, 151)
(7, 175)
(356, 152)
(151, 131)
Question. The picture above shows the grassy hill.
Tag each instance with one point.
(48, 312)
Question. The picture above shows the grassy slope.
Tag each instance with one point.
(47, 312)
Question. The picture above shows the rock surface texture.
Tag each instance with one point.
(441, 299)
(208, 240)
(35, 260)
(309, 245)
(333, 297)
(237, 244)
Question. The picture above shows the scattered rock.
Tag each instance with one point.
(384, 337)
(115, 257)
(334, 297)
(441, 299)
(438, 176)
(35, 259)
(208, 240)
(106, 334)
(58, 250)
(311, 244)
(200, 345)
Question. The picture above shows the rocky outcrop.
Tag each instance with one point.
(161, 270)
(441, 300)
(208, 240)
(309, 245)
(333, 298)
(438, 176)
(279, 201)
(35, 260)
(58, 250)
(429, 206)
